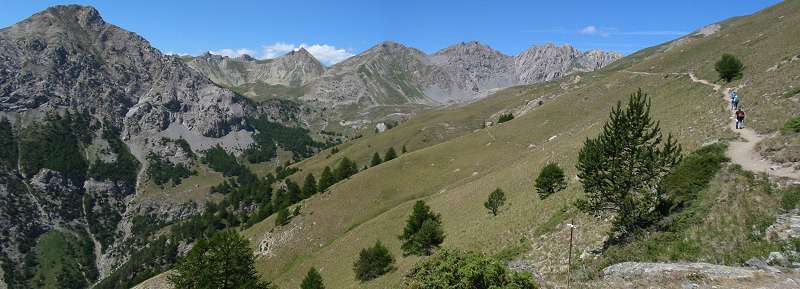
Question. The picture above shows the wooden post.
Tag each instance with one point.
(569, 258)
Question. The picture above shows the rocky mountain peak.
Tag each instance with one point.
(244, 57)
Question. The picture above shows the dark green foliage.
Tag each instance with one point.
(682, 185)
(281, 172)
(269, 134)
(309, 186)
(496, 200)
(376, 160)
(326, 180)
(161, 171)
(729, 67)
(345, 169)
(373, 262)
(390, 154)
(142, 264)
(313, 280)
(57, 144)
(505, 117)
(791, 198)
(124, 168)
(8, 144)
(292, 191)
(423, 231)
(622, 168)
(551, 180)
(458, 269)
(282, 218)
(224, 262)
(220, 160)
(792, 126)
(403, 150)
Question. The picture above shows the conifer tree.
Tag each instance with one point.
(373, 262)
(282, 218)
(309, 186)
(390, 154)
(403, 150)
(729, 67)
(326, 180)
(8, 144)
(292, 191)
(224, 262)
(423, 231)
(345, 169)
(622, 168)
(313, 280)
(496, 200)
(376, 160)
(551, 180)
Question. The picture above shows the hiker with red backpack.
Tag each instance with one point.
(739, 118)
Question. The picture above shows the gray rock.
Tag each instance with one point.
(786, 226)
(778, 259)
(761, 264)
(47, 180)
(630, 270)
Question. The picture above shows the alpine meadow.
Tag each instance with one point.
(632, 158)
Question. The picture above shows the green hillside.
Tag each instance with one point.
(454, 165)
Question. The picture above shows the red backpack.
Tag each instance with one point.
(739, 114)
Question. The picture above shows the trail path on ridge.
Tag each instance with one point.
(742, 152)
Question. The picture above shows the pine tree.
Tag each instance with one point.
(729, 67)
(496, 200)
(8, 144)
(390, 154)
(622, 168)
(292, 191)
(326, 180)
(345, 169)
(403, 150)
(373, 262)
(282, 218)
(225, 262)
(376, 160)
(551, 180)
(313, 280)
(423, 231)
(309, 186)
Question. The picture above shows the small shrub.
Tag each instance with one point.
(459, 269)
(373, 262)
(791, 198)
(505, 117)
(792, 126)
(729, 67)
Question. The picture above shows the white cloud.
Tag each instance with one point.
(277, 49)
(327, 54)
(605, 32)
(593, 30)
(233, 52)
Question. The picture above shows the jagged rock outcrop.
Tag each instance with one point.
(68, 56)
(391, 73)
(549, 62)
(294, 69)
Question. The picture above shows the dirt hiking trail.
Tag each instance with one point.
(743, 151)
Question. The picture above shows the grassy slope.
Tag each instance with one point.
(456, 176)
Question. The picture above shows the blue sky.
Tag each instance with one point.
(334, 30)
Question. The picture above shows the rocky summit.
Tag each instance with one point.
(124, 167)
